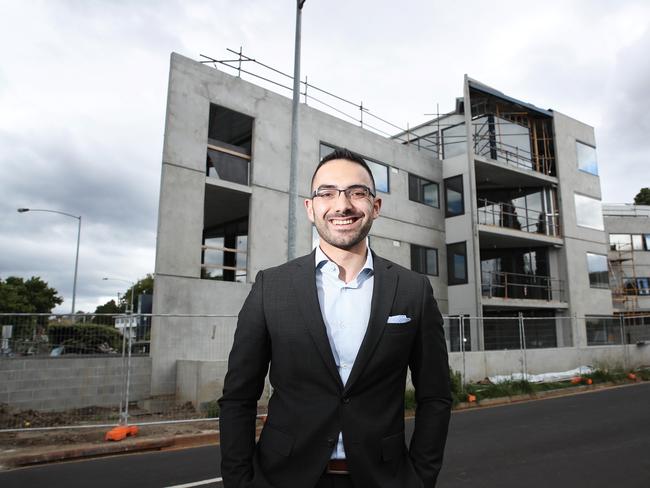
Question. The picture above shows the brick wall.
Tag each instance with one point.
(62, 383)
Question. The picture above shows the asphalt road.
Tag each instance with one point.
(599, 439)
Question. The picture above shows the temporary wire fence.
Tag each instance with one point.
(94, 370)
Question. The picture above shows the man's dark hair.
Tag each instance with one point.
(342, 153)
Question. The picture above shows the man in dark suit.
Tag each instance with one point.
(339, 328)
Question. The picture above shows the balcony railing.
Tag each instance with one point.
(488, 145)
(223, 263)
(227, 164)
(502, 214)
(496, 284)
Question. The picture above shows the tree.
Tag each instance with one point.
(31, 296)
(643, 197)
(143, 286)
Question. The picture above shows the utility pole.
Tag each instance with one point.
(293, 168)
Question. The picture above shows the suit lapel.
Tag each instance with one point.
(304, 287)
(383, 294)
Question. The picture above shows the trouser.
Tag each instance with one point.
(334, 481)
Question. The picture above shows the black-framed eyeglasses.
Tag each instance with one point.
(354, 192)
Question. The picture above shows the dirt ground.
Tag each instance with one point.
(84, 417)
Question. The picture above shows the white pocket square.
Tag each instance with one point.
(399, 319)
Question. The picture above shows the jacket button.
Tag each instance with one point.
(345, 400)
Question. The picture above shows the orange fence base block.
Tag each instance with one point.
(589, 381)
(121, 432)
(471, 398)
(575, 380)
(632, 376)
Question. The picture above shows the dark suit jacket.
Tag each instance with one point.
(281, 324)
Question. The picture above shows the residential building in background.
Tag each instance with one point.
(498, 203)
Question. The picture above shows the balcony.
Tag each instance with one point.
(505, 214)
(517, 289)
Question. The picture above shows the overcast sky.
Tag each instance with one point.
(83, 89)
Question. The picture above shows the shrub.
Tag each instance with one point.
(85, 338)
(210, 409)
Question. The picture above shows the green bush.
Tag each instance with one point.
(85, 338)
(210, 409)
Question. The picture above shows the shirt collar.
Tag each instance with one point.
(368, 267)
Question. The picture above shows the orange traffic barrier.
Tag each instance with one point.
(632, 376)
(589, 381)
(121, 432)
(471, 398)
(575, 380)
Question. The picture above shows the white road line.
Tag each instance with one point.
(197, 483)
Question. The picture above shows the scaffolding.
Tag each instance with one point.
(622, 272)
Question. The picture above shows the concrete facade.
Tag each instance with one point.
(550, 241)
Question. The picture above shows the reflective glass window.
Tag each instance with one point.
(620, 242)
(602, 331)
(637, 242)
(456, 263)
(597, 267)
(586, 156)
(379, 171)
(423, 191)
(454, 141)
(424, 260)
(646, 239)
(454, 201)
(589, 212)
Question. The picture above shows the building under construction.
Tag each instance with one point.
(497, 202)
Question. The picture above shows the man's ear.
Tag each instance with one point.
(376, 207)
(309, 209)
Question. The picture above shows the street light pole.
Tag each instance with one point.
(76, 259)
(293, 168)
(130, 305)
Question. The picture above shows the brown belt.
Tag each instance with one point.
(337, 466)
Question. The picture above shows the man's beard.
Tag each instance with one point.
(346, 241)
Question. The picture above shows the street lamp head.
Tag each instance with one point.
(23, 210)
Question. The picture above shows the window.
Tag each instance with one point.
(379, 170)
(597, 266)
(637, 242)
(454, 141)
(603, 331)
(586, 156)
(454, 200)
(620, 242)
(224, 251)
(423, 191)
(636, 286)
(629, 242)
(456, 263)
(230, 136)
(424, 260)
(588, 212)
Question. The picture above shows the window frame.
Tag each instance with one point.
(447, 182)
(451, 279)
(583, 169)
(369, 162)
(577, 195)
(413, 198)
(417, 247)
(594, 283)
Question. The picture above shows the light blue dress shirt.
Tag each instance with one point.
(346, 311)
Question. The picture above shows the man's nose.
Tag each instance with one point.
(342, 201)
